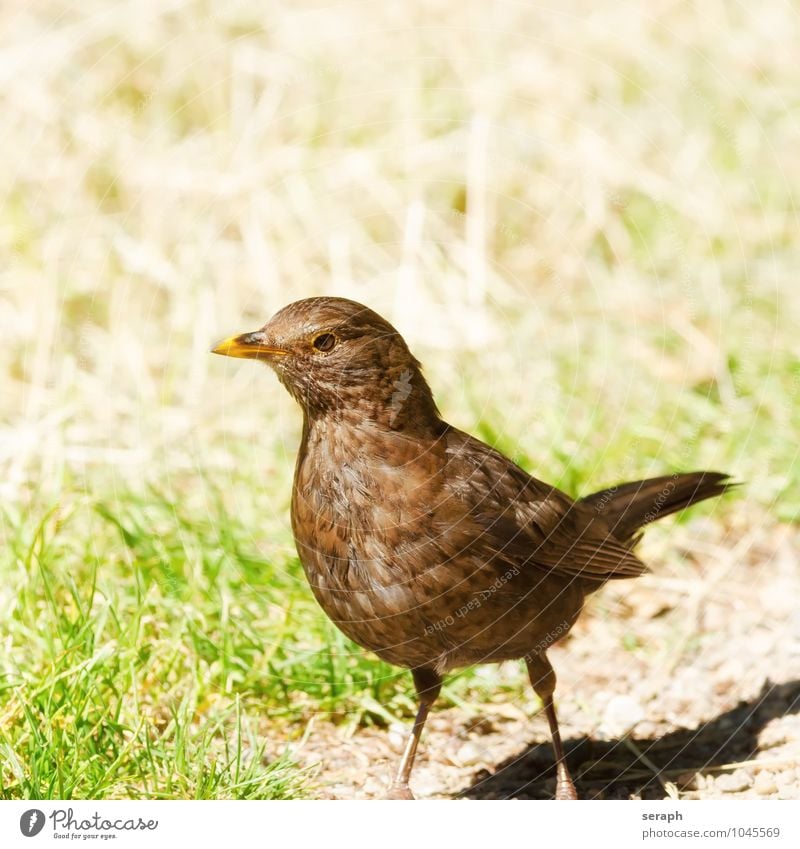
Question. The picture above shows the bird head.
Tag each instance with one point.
(336, 356)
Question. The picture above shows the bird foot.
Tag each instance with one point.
(399, 791)
(565, 789)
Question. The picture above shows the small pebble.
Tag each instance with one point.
(372, 786)
(396, 736)
(765, 783)
(427, 784)
(469, 754)
(786, 777)
(621, 714)
(687, 781)
(734, 782)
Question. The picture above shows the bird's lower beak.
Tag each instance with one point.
(250, 346)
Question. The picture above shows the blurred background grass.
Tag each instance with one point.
(582, 217)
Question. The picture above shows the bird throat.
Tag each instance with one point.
(395, 401)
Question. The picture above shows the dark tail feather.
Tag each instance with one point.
(629, 506)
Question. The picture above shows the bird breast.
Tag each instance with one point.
(362, 542)
(388, 547)
(351, 514)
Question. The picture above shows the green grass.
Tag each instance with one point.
(151, 648)
(122, 677)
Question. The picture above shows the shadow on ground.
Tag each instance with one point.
(626, 767)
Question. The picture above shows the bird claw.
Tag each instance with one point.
(399, 791)
(566, 790)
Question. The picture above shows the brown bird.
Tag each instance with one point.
(423, 544)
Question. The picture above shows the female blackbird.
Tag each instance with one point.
(421, 543)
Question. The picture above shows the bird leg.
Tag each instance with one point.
(543, 679)
(428, 684)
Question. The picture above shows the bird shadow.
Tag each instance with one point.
(637, 766)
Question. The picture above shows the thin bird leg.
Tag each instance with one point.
(428, 684)
(543, 679)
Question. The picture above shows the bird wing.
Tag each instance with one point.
(516, 519)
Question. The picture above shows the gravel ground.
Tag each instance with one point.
(683, 684)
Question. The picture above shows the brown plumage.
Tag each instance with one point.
(420, 542)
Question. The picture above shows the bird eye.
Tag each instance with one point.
(324, 342)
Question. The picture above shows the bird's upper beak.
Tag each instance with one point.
(251, 346)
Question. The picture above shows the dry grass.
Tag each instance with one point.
(583, 218)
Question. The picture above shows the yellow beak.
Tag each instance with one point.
(250, 346)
